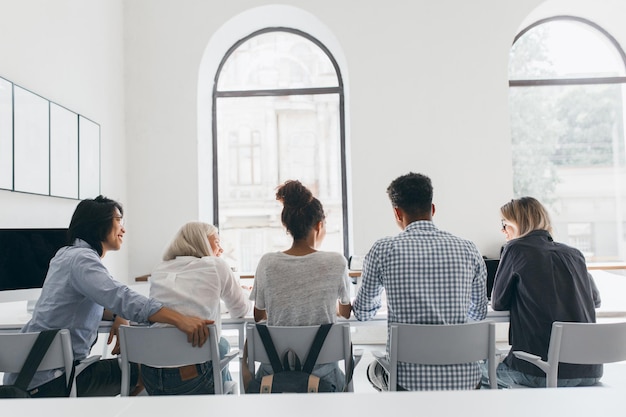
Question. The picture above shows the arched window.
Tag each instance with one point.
(567, 83)
(278, 114)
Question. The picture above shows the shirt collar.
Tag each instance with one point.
(425, 225)
(79, 243)
(540, 233)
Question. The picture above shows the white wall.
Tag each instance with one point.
(70, 52)
(428, 92)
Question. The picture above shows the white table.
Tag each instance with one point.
(570, 402)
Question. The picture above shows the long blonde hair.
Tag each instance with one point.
(528, 214)
(192, 239)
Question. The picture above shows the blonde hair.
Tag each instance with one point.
(528, 214)
(191, 240)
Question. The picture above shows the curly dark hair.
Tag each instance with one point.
(92, 221)
(412, 193)
(301, 211)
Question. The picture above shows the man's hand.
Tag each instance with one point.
(115, 333)
(195, 328)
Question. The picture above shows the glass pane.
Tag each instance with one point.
(262, 142)
(63, 152)
(277, 60)
(6, 135)
(32, 142)
(569, 152)
(564, 49)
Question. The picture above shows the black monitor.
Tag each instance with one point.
(492, 267)
(25, 255)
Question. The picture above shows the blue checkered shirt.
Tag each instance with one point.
(429, 277)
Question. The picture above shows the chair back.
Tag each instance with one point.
(16, 347)
(165, 347)
(584, 343)
(337, 346)
(445, 344)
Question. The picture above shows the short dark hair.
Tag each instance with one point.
(412, 193)
(301, 211)
(92, 221)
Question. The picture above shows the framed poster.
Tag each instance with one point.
(6, 134)
(63, 152)
(31, 149)
(88, 158)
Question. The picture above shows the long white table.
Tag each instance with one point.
(570, 402)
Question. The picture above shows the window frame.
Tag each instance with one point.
(571, 81)
(339, 89)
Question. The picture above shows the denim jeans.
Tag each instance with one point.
(103, 379)
(167, 381)
(508, 377)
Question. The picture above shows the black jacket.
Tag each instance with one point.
(541, 281)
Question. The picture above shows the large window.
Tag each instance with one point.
(278, 115)
(567, 84)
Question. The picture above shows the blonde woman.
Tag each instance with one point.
(540, 281)
(193, 278)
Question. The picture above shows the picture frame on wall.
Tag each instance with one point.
(45, 148)
(31, 150)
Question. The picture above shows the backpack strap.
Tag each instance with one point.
(270, 349)
(297, 365)
(35, 356)
(316, 347)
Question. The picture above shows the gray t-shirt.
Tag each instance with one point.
(301, 290)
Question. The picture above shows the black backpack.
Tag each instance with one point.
(37, 352)
(300, 379)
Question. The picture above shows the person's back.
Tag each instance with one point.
(301, 290)
(434, 269)
(540, 281)
(192, 280)
(551, 284)
(429, 277)
(195, 286)
(302, 286)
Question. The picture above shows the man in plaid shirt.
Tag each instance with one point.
(429, 277)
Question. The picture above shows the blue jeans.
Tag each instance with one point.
(168, 381)
(103, 378)
(508, 377)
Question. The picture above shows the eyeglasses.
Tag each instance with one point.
(504, 224)
(120, 219)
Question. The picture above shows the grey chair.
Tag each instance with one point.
(337, 346)
(444, 344)
(580, 343)
(168, 347)
(16, 346)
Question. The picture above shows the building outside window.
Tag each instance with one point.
(278, 115)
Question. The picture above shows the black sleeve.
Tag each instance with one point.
(506, 279)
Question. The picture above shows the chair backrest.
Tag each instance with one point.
(16, 346)
(337, 346)
(165, 347)
(444, 344)
(585, 343)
